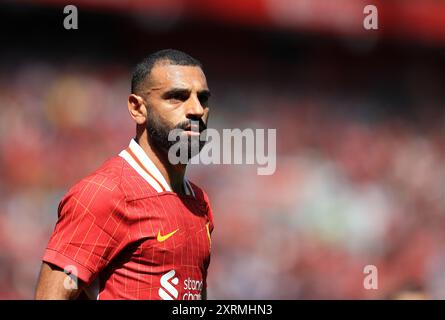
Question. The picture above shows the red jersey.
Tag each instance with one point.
(124, 233)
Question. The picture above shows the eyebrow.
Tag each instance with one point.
(178, 91)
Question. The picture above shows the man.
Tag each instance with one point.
(136, 228)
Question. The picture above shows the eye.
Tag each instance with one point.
(204, 99)
(177, 97)
(174, 100)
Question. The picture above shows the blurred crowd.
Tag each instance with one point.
(360, 176)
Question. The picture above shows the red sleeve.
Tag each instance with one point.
(91, 228)
(211, 227)
(202, 196)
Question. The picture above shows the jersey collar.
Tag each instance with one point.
(139, 161)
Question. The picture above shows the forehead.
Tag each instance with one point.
(165, 76)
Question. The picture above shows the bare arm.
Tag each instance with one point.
(54, 284)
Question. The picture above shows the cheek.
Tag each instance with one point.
(175, 114)
(206, 115)
(158, 121)
(168, 113)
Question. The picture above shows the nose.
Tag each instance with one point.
(194, 109)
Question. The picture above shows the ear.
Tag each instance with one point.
(137, 108)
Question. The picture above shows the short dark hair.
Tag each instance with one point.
(175, 57)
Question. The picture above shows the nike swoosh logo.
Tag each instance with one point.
(165, 237)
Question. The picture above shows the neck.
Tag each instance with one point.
(173, 174)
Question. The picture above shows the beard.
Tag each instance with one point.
(158, 131)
